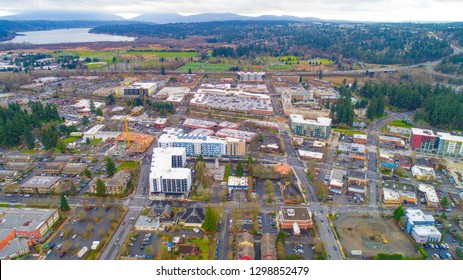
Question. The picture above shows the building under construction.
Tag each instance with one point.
(138, 142)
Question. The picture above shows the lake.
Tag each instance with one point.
(73, 35)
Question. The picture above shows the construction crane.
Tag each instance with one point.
(126, 121)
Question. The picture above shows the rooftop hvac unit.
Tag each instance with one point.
(291, 212)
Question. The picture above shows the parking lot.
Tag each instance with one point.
(142, 244)
(77, 233)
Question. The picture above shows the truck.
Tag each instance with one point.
(82, 252)
(296, 229)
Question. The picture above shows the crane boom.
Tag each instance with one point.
(126, 121)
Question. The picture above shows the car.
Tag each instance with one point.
(335, 248)
(329, 231)
(435, 256)
(142, 248)
(74, 236)
(27, 195)
(131, 244)
(52, 246)
(62, 253)
(449, 256)
(9, 194)
(13, 201)
(431, 245)
(59, 246)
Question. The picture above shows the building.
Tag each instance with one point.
(319, 128)
(74, 168)
(406, 192)
(192, 216)
(164, 214)
(237, 134)
(432, 200)
(270, 148)
(18, 158)
(195, 123)
(336, 182)
(41, 184)
(421, 227)
(188, 250)
(172, 93)
(227, 124)
(8, 175)
(114, 185)
(139, 90)
(423, 140)
(289, 215)
(360, 139)
(308, 155)
(237, 183)
(91, 132)
(268, 249)
(391, 198)
(208, 146)
(168, 174)
(146, 223)
(450, 144)
(22, 227)
(251, 76)
(423, 173)
(52, 167)
(244, 246)
(20, 166)
(358, 177)
(391, 142)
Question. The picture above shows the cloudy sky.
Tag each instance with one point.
(361, 10)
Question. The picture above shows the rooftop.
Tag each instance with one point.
(174, 91)
(424, 132)
(416, 215)
(24, 219)
(234, 181)
(360, 136)
(310, 154)
(426, 230)
(40, 182)
(430, 193)
(238, 134)
(296, 213)
(300, 119)
(198, 123)
(390, 194)
(449, 137)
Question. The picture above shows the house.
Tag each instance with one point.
(188, 250)
(164, 214)
(267, 247)
(193, 216)
(115, 184)
(244, 246)
(178, 240)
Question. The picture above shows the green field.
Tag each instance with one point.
(69, 139)
(127, 164)
(323, 61)
(280, 67)
(95, 142)
(93, 65)
(400, 123)
(163, 54)
(204, 66)
(101, 55)
(347, 131)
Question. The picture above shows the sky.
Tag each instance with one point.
(355, 10)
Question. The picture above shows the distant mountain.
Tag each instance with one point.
(174, 18)
(63, 15)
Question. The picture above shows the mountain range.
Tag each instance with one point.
(149, 17)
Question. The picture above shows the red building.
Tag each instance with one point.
(423, 139)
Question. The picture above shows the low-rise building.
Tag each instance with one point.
(114, 185)
(52, 167)
(192, 216)
(244, 246)
(309, 155)
(359, 139)
(90, 133)
(391, 142)
(432, 200)
(288, 215)
(336, 182)
(196, 123)
(421, 226)
(358, 177)
(391, 198)
(423, 173)
(236, 134)
(268, 249)
(239, 183)
(423, 140)
(41, 184)
(139, 90)
(74, 168)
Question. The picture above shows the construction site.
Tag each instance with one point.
(373, 236)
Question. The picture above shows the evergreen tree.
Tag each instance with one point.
(239, 171)
(99, 112)
(92, 107)
(85, 120)
(398, 213)
(210, 220)
(100, 187)
(320, 75)
(28, 138)
(163, 70)
(189, 70)
(60, 145)
(64, 206)
(87, 141)
(110, 166)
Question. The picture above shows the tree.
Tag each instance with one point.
(82, 214)
(300, 79)
(87, 173)
(149, 250)
(110, 166)
(92, 106)
(87, 141)
(210, 220)
(99, 112)
(459, 253)
(110, 100)
(28, 138)
(60, 145)
(85, 120)
(163, 70)
(187, 111)
(72, 188)
(189, 70)
(444, 202)
(398, 213)
(250, 164)
(64, 206)
(100, 188)
(320, 75)
(239, 171)
(66, 245)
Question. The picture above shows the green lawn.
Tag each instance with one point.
(95, 142)
(226, 173)
(323, 61)
(127, 164)
(198, 66)
(347, 131)
(93, 65)
(105, 56)
(280, 67)
(164, 54)
(400, 123)
(203, 247)
(69, 139)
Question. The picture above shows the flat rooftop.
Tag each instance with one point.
(390, 194)
(296, 213)
(174, 91)
(237, 102)
(40, 182)
(238, 134)
(300, 119)
(189, 122)
(24, 219)
(416, 215)
(449, 137)
(424, 132)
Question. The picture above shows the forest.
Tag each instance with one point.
(451, 65)
(437, 105)
(19, 126)
(398, 43)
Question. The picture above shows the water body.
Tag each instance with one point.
(73, 35)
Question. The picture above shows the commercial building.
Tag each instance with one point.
(391, 198)
(450, 144)
(41, 184)
(227, 124)
(52, 167)
(359, 139)
(195, 123)
(208, 146)
(139, 90)
(237, 134)
(406, 192)
(309, 155)
(23, 225)
(262, 124)
(336, 182)
(423, 172)
(8, 175)
(320, 128)
(237, 183)
(289, 215)
(432, 200)
(74, 168)
(172, 93)
(168, 174)
(421, 227)
(251, 76)
(90, 133)
(20, 166)
(391, 142)
(423, 140)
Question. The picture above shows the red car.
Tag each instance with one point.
(123, 223)
(62, 253)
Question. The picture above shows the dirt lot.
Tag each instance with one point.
(363, 233)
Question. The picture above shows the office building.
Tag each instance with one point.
(421, 227)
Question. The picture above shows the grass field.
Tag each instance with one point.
(204, 245)
(400, 123)
(347, 131)
(69, 139)
(103, 56)
(127, 164)
(323, 61)
(280, 67)
(95, 142)
(93, 65)
(163, 54)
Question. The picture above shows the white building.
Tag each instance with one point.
(421, 227)
(168, 174)
(91, 132)
(423, 172)
(430, 194)
(319, 128)
(424, 234)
